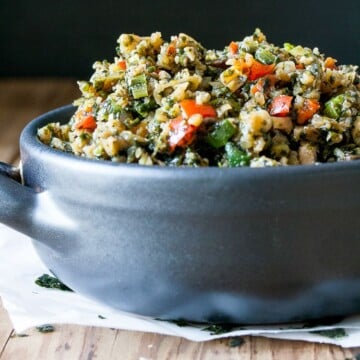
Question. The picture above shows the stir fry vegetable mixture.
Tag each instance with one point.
(176, 103)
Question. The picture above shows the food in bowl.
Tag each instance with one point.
(255, 246)
(176, 103)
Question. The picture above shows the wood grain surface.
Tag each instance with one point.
(20, 101)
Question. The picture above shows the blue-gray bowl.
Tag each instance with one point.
(239, 245)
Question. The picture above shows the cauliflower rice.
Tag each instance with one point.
(176, 103)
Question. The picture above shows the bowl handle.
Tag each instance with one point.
(17, 202)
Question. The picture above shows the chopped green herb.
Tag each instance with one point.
(181, 323)
(22, 335)
(236, 341)
(130, 121)
(51, 282)
(46, 328)
(178, 322)
(217, 329)
(101, 317)
(332, 333)
(329, 321)
(144, 107)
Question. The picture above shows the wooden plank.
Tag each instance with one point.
(22, 100)
(5, 328)
(77, 342)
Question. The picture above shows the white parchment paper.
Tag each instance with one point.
(29, 305)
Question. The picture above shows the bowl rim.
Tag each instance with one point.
(29, 142)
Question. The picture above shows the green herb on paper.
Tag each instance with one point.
(329, 321)
(178, 322)
(332, 333)
(101, 317)
(214, 329)
(51, 282)
(46, 328)
(217, 329)
(181, 323)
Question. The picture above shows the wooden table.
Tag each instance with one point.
(20, 101)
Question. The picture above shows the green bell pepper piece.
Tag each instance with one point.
(223, 131)
(333, 106)
(235, 156)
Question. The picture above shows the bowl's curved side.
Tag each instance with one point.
(235, 245)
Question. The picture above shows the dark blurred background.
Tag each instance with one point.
(64, 37)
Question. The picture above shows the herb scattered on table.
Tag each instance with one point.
(51, 282)
(236, 341)
(46, 328)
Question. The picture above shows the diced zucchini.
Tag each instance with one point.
(264, 56)
(138, 86)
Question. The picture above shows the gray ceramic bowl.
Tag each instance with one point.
(237, 245)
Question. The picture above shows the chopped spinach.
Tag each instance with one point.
(51, 282)
(331, 333)
(236, 341)
(178, 322)
(144, 106)
(46, 328)
(181, 323)
(217, 329)
(322, 322)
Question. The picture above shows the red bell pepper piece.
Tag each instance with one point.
(280, 105)
(263, 84)
(88, 122)
(258, 70)
(233, 47)
(171, 50)
(330, 63)
(190, 107)
(122, 64)
(309, 108)
(181, 133)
